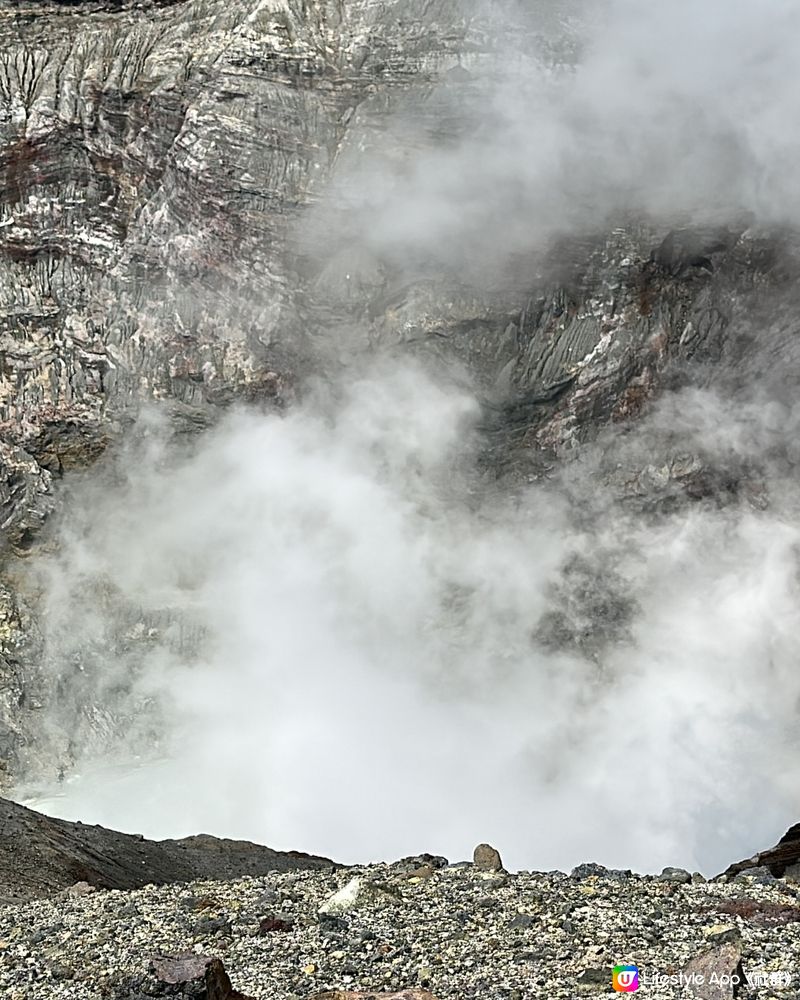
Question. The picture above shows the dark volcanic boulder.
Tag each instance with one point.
(196, 975)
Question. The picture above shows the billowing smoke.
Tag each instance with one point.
(329, 633)
(624, 108)
(393, 659)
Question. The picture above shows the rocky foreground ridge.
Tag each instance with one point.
(40, 856)
(282, 927)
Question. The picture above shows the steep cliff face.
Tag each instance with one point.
(164, 238)
(154, 162)
(157, 162)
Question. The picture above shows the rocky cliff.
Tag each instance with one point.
(166, 240)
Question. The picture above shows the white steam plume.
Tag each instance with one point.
(373, 680)
(678, 111)
(374, 675)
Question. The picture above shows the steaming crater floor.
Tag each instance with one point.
(450, 932)
(129, 788)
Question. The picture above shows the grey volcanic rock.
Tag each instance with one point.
(444, 942)
(202, 974)
(717, 973)
(40, 856)
(487, 858)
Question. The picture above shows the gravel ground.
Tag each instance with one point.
(458, 931)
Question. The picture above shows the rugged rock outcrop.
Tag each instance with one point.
(40, 856)
(780, 860)
(157, 165)
(162, 166)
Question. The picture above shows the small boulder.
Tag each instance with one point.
(211, 926)
(218, 985)
(722, 934)
(595, 976)
(179, 970)
(792, 873)
(331, 924)
(418, 860)
(421, 874)
(276, 922)
(759, 873)
(81, 889)
(358, 892)
(487, 858)
(677, 875)
(716, 974)
(592, 870)
(174, 969)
